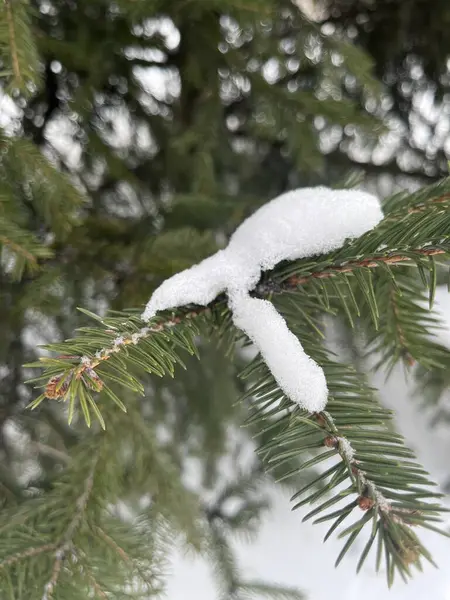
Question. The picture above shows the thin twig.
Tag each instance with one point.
(98, 590)
(88, 364)
(114, 545)
(369, 495)
(123, 555)
(340, 443)
(418, 208)
(18, 249)
(7, 562)
(67, 540)
(53, 388)
(369, 263)
(46, 450)
(425, 205)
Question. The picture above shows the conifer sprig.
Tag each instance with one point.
(83, 366)
(371, 262)
(54, 197)
(32, 185)
(71, 544)
(20, 249)
(66, 542)
(17, 46)
(383, 479)
(371, 281)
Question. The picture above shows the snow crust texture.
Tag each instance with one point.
(298, 224)
(298, 375)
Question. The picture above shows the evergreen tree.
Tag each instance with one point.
(137, 135)
(409, 47)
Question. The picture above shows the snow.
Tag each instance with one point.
(301, 379)
(346, 448)
(198, 285)
(297, 224)
(300, 223)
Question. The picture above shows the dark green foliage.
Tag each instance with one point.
(110, 184)
(354, 427)
(18, 49)
(68, 541)
(408, 44)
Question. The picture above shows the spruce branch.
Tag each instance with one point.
(88, 364)
(385, 484)
(50, 195)
(28, 553)
(399, 328)
(17, 44)
(12, 40)
(114, 545)
(222, 523)
(66, 542)
(95, 585)
(260, 589)
(46, 450)
(384, 481)
(435, 195)
(85, 370)
(405, 323)
(132, 563)
(18, 250)
(21, 246)
(57, 540)
(371, 262)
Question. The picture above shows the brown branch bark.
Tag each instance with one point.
(57, 388)
(18, 249)
(369, 263)
(369, 496)
(26, 554)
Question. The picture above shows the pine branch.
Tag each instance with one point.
(12, 39)
(22, 250)
(390, 490)
(351, 266)
(66, 542)
(56, 542)
(386, 485)
(28, 553)
(17, 44)
(53, 196)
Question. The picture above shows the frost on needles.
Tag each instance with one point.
(300, 223)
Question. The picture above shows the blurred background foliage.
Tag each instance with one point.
(136, 135)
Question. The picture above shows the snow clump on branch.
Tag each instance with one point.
(298, 224)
